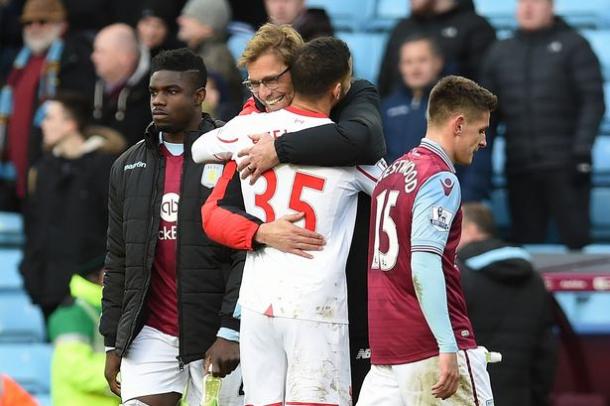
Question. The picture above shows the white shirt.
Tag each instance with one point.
(282, 284)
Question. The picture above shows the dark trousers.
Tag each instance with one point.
(534, 198)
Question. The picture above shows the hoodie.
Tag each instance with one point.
(510, 311)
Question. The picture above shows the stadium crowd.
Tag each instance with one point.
(114, 114)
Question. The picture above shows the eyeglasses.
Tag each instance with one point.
(270, 83)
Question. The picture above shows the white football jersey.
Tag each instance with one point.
(282, 284)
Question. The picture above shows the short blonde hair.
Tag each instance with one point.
(284, 40)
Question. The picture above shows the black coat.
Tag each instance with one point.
(462, 35)
(131, 118)
(208, 275)
(510, 310)
(550, 92)
(65, 222)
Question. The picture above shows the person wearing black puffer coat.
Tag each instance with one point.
(510, 310)
(550, 88)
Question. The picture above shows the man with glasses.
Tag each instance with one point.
(354, 137)
(294, 324)
(48, 62)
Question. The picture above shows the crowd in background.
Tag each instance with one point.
(74, 79)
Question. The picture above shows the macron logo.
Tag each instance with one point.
(135, 165)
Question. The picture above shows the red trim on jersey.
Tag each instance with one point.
(308, 113)
(249, 107)
(474, 388)
(365, 173)
(222, 225)
(269, 311)
(227, 141)
(311, 404)
(268, 404)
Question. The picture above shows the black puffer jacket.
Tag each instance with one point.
(550, 93)
(462, 35)
(208, 275)
(510, 311)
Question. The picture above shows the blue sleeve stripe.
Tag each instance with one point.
(497, 255)
(228, 334)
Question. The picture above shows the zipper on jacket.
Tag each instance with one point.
(150, 233)
(178, 285)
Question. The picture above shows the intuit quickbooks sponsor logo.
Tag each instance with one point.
(135, 165)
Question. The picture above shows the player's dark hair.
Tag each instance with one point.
(481, 216)
(318, 65)
(77, 107)
(181, 60)
(458, 95)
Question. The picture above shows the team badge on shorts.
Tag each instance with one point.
(489, 402)
(211, 174)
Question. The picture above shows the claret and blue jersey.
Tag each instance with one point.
(415, 208)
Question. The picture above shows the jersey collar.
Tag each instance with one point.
(438, 150)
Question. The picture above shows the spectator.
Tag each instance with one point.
(404, 111)
(66, 207)
(510, 310)
(462, 35)
(46, 63)
(170, 294)
(77, 367)
(157, 28)
(10, 34)
(309, 22)
(549, 84)
(203, 27)
(11, 394)
(121, 91)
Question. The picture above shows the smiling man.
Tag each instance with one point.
(169, 292)
(422, 343)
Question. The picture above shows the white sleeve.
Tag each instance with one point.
(215, 145)
(366, 176)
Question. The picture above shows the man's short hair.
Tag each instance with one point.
(181, 60)
(319, 64)
(432, 43)
(481, 216)
(458, 95)
(284, 40)
(76, 106)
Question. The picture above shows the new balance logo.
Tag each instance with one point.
(363, 353)
(135, 165)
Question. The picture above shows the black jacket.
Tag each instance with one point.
(126, 110)
(208, 275)
(357, 138)
(510, 310)
(65, 216)
(549, 88)
(462, 35)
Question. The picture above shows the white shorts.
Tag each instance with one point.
(411, 384)
(288, 361)
(151, 367)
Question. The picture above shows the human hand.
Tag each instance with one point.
(581, 169)
(223, 355)
(449, 376)
(258, 158)
(283, 235)
(111, 370)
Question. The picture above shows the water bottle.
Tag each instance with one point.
(492, 357)
(211, 389)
